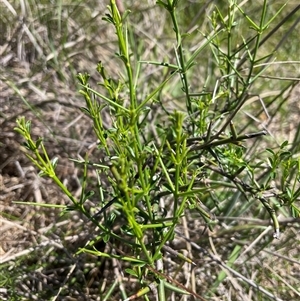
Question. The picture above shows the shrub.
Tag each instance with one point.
(199, 155)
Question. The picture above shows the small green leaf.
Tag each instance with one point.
(42, 174)
(284, 144)
(289, 193)
(270, 151)
(125, 15)
(161, 3)
(285, 155)
(28, 126)
(89, 194)
(127, 230)
(108, 18)
(38, 142)
(85, 111)
(131, 272)
(106, 238)
(54, 162)
(83, 78)
(295, 211)
(19, 130)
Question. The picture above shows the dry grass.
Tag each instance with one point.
(41, 51)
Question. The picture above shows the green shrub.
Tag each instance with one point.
(199, 155)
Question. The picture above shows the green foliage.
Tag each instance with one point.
(198, 160)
